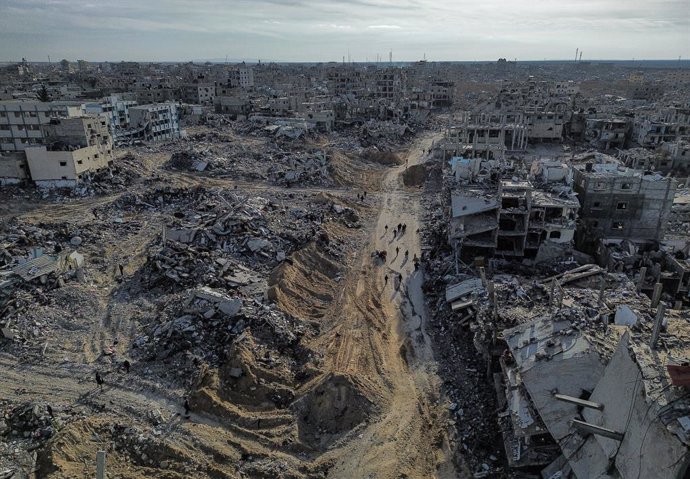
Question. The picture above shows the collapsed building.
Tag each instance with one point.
(510, 218)
(75, 147)
(58, 146)
(588, 397)
(487, 136)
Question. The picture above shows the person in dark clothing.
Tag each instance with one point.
(126, 365)
(385, 280)
(122, 269)
(186, 408)
(50, 411)
(99, 380)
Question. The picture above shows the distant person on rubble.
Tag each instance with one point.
(186, 408)
(99, 380)
(385, 280)
(126, 365)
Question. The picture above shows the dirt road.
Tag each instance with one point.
(381, 340)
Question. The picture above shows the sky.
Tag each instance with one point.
(328, 30)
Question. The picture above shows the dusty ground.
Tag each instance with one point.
(363, 404)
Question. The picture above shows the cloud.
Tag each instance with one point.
(384, 27)
(322, 30)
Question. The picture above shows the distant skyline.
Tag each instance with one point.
(328, 30)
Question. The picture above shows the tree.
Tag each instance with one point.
(42, 94)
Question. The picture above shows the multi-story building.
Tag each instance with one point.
(241, 76)
(441, 93)
(198, 93)
(509, 218)
(155, 95)
(545, 125)
(606, 133)
(152, 123)
(20, 121)
(620, 203)
(389, 84)
(232, 104)
(485, 135)
(74, 148)
(346, 80)
(116, 107)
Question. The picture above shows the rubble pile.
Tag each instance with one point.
(33, 261)
(207, 322)
(24, 428)
(306, 166)
(384, 134)
(221, 239)
(28, 421)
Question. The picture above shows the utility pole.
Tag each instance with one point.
(657, 326)
(100, 465)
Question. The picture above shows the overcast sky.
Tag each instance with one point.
(324, 30)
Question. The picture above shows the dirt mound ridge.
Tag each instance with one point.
(304, 285)
(135, 453)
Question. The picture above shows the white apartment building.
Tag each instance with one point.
(20, 121)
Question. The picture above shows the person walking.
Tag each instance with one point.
(99, 380)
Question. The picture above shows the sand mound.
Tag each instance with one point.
(304, 286)
(333, 406)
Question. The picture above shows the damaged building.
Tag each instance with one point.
(621, 203)
(509, 218)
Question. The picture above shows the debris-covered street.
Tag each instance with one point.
(414, 270)
(263, 306)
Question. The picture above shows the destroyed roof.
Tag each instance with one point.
(546, 199)
(471, 205)
(545, 339)
(516, 184)
(36, 267)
